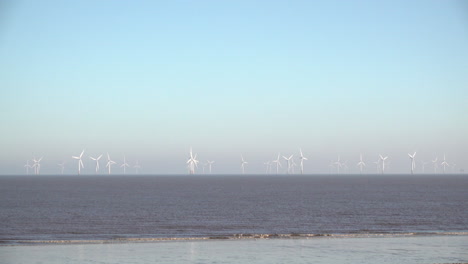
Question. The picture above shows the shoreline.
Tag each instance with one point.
(235, 237)
(330, 250)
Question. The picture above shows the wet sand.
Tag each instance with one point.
(419, 249)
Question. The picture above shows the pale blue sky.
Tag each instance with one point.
(149, 79)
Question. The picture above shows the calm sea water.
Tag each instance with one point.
(122, 207)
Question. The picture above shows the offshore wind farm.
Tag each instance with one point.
(233, 131)
(287, 165)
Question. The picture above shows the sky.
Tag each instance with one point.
(150, 79)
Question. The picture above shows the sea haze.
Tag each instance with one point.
(123, 207)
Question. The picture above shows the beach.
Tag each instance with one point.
(384, 249)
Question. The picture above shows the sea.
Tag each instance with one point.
(134, 209)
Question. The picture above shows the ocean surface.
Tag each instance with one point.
(51, 209)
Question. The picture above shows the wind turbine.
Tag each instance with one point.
(377, 164)
(435, 164)
(109, 163)
(383, 162)
(452, 166)
(209, 164)
(338, 164)
(137, 166)
(62, 166)
(345, 166)
(37, 165)
(267, 166)
(302, 158)
(289, 160)
(361, 163)
(278, 163)
(124, 165)
(444, 163)
(192, 162)
(413, 163)
(27, 166)
(80, 162)
(243, 162)
(293, 165)
(97, 162)
(424, 163)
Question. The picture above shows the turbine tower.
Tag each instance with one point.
(345, 166)
(267, 166)
(413, 163)
(383, 162)
(97, 162)
(243, 162)
(210, 162)
(109, 163)
(278, 163)
(361, 163)
(27, 166)
(435, 164)
(80, 162)
(302, 158)
(62, 166)
(444, 163)
(137, 167)
(124, 165)
(377, 164)
(289, 160)
(423, 165)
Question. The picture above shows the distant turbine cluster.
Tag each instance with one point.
(37, 166)
(381, 164)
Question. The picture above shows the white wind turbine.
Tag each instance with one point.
(444, 163)
(37, 165)
(383, 162)
(124, 165)
(289, 160)
(109, 163)
(338, 164)
(137, 167)
(267, 166)
(361, 163)
(97, 162)
(278, 163)
(302, 158)
(413, 163)
(243, 162)
(345, 166)
(293, 165)
(435, 164)
(452, 166)
(377, 164)
(27, 166)
(423, 165)
(62, 166)
(192, 162)
(80, 162)
(210, 162)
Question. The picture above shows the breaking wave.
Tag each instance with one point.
(227, 237)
